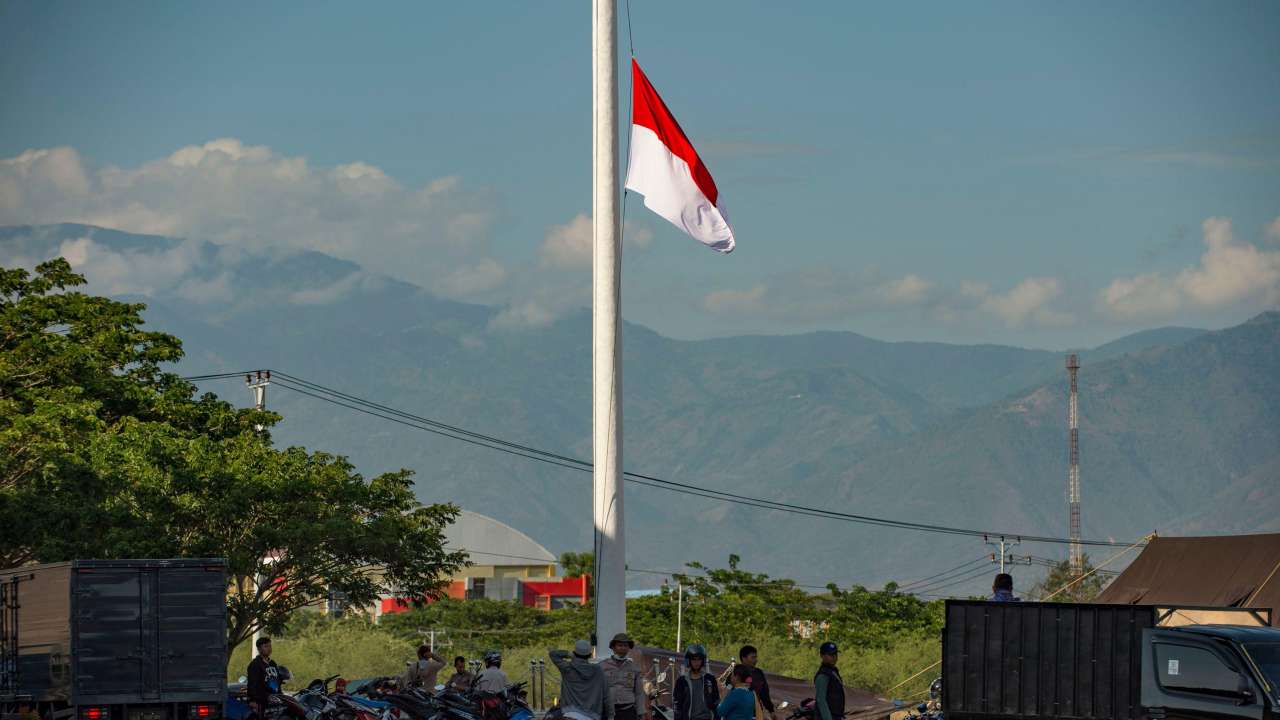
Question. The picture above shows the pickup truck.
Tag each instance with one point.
(1102, 662)
(114, 640)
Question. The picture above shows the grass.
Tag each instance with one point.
(356, 648)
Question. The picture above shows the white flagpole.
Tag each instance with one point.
(606, 363)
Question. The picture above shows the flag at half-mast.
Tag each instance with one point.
(667, 171)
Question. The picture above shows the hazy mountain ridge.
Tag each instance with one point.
(1173, 419)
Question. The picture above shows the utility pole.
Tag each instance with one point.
(1003, 544)
(257, 383)
(258, 386)
(606, 356)
(1073, 474)
(679, 617)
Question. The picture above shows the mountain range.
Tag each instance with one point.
(1180, 427)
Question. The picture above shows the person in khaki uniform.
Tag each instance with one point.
(626, 680)
(423, 672)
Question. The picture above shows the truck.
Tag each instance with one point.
(114, 640)
(1103, 662)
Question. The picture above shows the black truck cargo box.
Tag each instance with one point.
(122, 632)
(1042, 660)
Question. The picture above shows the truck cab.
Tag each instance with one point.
(1211, 671)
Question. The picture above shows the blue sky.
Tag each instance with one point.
(1031, 173)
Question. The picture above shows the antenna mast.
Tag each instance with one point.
(1073, 477)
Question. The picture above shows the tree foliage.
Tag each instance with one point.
(578, 565)
(1060, 576)
(103, 454)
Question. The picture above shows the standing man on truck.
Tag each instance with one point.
(1002, 589)
(263, 677)
(828, 688)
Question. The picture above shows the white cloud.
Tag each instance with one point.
(1273, 230)
(475, 279)
(910, 290)
(139, 272)
(735, 301)
(1229, 272)
(1027, 303)
(568, 246)
(251, 196)
(528, 314)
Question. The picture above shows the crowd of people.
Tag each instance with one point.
(615, 688)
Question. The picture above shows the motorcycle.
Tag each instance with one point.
(931, 709)
(660, 711)
(806, 710)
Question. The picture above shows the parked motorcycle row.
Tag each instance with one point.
(380, 699)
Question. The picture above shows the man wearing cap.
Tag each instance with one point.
(828, 688)
(584, 690)
(626, 681)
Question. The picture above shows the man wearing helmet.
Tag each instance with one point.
(626, 681)
(492, 679)
(828, 688)
(696, 693)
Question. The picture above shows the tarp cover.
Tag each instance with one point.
(1222, 571)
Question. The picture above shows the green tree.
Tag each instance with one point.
(1059, 576)
(103, 454)
(74, 370)
(578, 564)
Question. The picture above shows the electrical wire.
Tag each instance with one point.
(939, 575)
(352, 402)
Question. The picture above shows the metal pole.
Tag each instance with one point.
(258, 387)
(680, 617)
(606, 361)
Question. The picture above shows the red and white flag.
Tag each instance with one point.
(667, 171)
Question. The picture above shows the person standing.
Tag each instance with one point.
(492, 679)
(828, 688)
(584, 689)
(626, 681)
(461, 679)
(1002, 589)
(749, 656)
(739, 703)
(696, 695)
(423, 673)
(262, 678)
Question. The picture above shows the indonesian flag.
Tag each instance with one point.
(667, 171)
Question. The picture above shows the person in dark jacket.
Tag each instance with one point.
(696, 694)
(828, 688)
(263, 677)
(749, 656)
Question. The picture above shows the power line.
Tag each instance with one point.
(945, 573)
(352, 402)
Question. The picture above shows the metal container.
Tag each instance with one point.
(1043, 660)
(136, 639)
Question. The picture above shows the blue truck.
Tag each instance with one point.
(114, 640)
